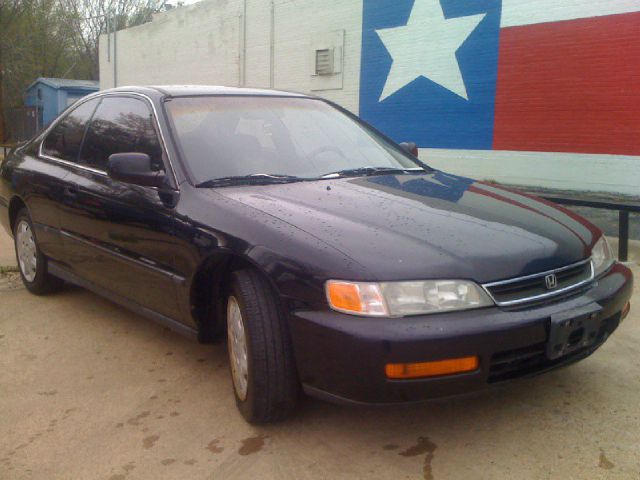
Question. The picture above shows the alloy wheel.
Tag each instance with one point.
(237, 344)
(26, 251)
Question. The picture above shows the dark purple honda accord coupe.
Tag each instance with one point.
(332, 260)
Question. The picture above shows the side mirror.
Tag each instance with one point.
(134, 168)
(410, 147)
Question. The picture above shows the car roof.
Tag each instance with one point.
(196, 90)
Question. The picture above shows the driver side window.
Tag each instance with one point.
(121, 125)
(65, 139)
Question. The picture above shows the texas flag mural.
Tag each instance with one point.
(543, 75)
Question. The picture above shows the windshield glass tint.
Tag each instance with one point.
(243, 135)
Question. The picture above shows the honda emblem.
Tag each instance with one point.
(551, 281)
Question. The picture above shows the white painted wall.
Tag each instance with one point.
(207, 43)
(619, 174)
(525, 12)
(230, 42)
(196, 44)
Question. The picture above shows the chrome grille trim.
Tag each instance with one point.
(541, 275)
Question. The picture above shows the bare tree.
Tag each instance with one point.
(57, 38)
(10, 10)
(36, 41)
(94, 17)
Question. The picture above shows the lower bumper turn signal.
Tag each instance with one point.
(431, 369)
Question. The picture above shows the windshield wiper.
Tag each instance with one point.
(268, 178)
(253, 179)
(367, 171)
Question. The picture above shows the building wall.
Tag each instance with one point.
(219, 42)
(68, 96)
(48, 102)
(53, 100)
(538, 93)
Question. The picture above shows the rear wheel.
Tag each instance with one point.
(31, 262)
(260, 353)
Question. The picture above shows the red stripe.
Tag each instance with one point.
(571, 86)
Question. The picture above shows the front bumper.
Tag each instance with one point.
(342, 357)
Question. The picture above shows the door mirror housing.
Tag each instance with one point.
(410, 147)
(134, 168)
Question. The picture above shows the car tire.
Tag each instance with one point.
(32, 264)
(266, 390)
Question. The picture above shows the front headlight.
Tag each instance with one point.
(601, 256)
(397, 299)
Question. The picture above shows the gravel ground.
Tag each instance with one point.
(7, 252)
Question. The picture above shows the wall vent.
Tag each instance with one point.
(324, 61)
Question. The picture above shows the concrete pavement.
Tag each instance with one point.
(89, 390)
(7, 252)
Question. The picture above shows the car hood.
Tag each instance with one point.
(402, 227)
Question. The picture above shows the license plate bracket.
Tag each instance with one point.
(573, 329)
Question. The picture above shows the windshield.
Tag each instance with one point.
(238, 136)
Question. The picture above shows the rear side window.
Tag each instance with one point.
(121, 125)
(65, 139)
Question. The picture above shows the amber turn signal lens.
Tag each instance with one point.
(431, 369)
(344, 296)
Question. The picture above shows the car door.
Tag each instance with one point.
(119, 236)
(44, 176)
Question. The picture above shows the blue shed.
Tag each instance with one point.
(50, 96)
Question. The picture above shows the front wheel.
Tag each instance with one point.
(31, 262)
(260, 353)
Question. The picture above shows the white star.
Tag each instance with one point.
(426, 46)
